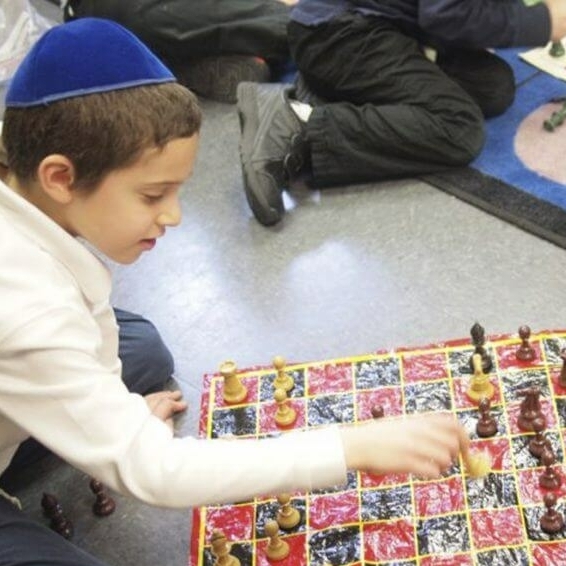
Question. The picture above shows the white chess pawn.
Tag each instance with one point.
(285, 414)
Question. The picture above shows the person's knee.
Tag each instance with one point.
(147, 363)
(500, 98)
(159, 364)
(473, 139)
(466, 136)
(485, 76)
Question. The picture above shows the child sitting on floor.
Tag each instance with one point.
(100, 139)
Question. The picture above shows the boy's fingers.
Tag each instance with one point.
(165, 410)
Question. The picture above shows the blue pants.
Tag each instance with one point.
(146, 366)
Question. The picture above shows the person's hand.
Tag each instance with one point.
(557, 9)
(423, 445)
(165, 405)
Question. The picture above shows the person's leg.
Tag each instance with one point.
(487, 78)
(391, 112)
(147, 365)
(181, 30)
(24, 542)
(210, 45)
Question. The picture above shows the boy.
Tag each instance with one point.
(99, 139)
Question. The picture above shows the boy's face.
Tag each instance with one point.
(132, 207)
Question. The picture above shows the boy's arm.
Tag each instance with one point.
(421, 444)
(55, 389)
(490, 23)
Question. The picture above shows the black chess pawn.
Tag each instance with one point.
(49, 503)
(525, 352)
(104, 505)
(53, 510)
(562, 377)
(538, 443)
(552, 521)
(478, 340)
(486, 425)
(549, 479)
(377, 411)
(530, 409)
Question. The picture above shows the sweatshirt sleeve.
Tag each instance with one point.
(54, 388)
(485, 23)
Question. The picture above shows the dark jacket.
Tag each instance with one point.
(467, 23)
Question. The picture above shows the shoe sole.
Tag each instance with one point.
(248, 115)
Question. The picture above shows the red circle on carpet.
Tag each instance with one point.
(542, 151)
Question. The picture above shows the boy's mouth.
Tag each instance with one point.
(148, 243)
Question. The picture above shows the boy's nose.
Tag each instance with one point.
(171, 216)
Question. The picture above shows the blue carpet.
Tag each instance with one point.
(497, 181)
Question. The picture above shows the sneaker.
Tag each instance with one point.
(217, 78)
(272, 147)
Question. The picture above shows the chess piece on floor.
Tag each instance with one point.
(556, 49)
(277, 548)
(562, 377)
(288, 517)
(285, 414)
(53, 510)
(530, 409)
(486, 425)
(48, 504)
(104, 505)
(221, 550)
(538, 443)
(283, 380)
(480, 386)
(234, 390)
(525, 352)
(549, 479)
(377, 411)
(478, 340)
(552, 521)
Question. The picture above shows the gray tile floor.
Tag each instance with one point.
(347, 272)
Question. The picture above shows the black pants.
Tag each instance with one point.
(146, 366)
(181, 30)
(389, 111)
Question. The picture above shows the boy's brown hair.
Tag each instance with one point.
(98, 132)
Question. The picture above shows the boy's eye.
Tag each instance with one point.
(152, 198)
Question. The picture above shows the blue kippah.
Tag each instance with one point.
(82, 57)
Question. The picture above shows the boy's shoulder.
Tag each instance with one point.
(36, 281)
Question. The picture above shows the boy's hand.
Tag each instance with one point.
(423, 445)
(165, 405)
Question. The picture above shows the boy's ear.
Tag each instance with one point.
(56, 175)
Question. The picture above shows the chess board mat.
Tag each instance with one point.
(497, 181)
(399, 520)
